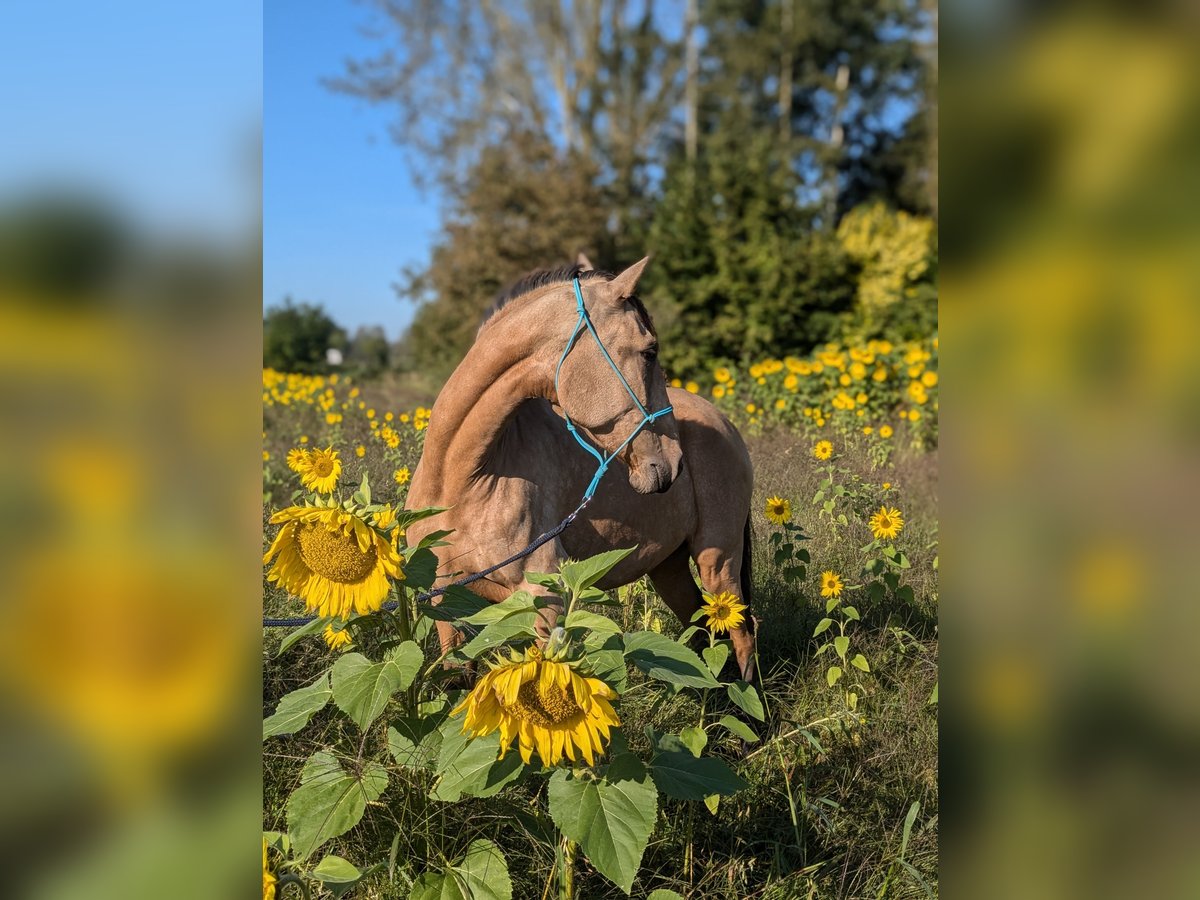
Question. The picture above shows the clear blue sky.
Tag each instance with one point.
(341, 216)
(151, 105)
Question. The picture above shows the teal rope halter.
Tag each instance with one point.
(583, 321)
(648, 417)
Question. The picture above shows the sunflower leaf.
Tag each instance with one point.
(611, 818)
(715, 657)
(745, 697)
(581, 575)
(661, 658)
(455, 604)
(740, 728)
(581, 618)
(482, 875)
(687, 777)
(314, 627)
(361, 688)
(470, 765)
(517, 602)
(329, 801)
(296, 708)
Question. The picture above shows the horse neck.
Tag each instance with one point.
(509, 364)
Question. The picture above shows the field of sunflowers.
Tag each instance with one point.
(617, 758)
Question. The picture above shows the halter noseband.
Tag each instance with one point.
(583, 321)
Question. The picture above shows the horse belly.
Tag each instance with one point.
(655, 525)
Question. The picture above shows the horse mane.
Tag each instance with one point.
(530, 281)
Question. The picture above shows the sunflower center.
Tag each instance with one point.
(721, 611)
(543, 704)
(322, 466)
(885, 522)
(334, 555)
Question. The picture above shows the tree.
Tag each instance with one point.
(296, 337)
(523, 207)
(369, 353)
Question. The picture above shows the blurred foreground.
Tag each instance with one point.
(1071, 302)
(129, 345)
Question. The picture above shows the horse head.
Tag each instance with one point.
(597, 401)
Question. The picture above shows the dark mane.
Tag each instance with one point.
(557, 275)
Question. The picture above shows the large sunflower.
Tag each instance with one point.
(723, 611)
(546, 704)
(269, 879)
(332, 560)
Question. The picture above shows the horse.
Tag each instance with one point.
(499, 456)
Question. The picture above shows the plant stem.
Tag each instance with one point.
(566, 869)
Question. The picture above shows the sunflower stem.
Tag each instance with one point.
(566, 869)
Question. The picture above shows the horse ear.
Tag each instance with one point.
(585, 264)
(623, 286)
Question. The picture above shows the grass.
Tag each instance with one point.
(825, 811)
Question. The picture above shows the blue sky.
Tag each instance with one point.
(341, 216)
(153, 106)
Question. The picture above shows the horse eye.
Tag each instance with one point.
(650, 355)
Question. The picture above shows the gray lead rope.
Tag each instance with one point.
(462, 582)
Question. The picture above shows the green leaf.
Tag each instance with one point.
(515, 604)
(414, 742)
(586, 572)
(933, 698)
(745, 697)
(611, 818)
(860, 662)
(581, 618)
(664, 894)
(715, 657)
(482, 875)
(822, 626)
(605, 654)
(296, 708)
(471, 765)
(335, 870)
(316, 626)
(408, 517)
(329, 801)
(456, 604)
(661, 658)
(694, 738)
(420, 570)
(686, 777)
(365, 489)
(740, 728)
(841, 644)
(851, 613)
(361, 688)
(833, 674)
(517, 625)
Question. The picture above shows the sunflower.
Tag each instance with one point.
(831, 584)
(337, 639)
(886, 523)
(402, 475)
(321, 470)
(823, 450)
(778, 510)
(332, 560)
(724, 611)
(885, 431)
(546, 704)
(269, 878)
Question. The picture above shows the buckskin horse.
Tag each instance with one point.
(499, 454)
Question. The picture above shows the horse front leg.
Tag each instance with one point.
(721, 572)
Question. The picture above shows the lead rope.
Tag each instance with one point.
(603, 461)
